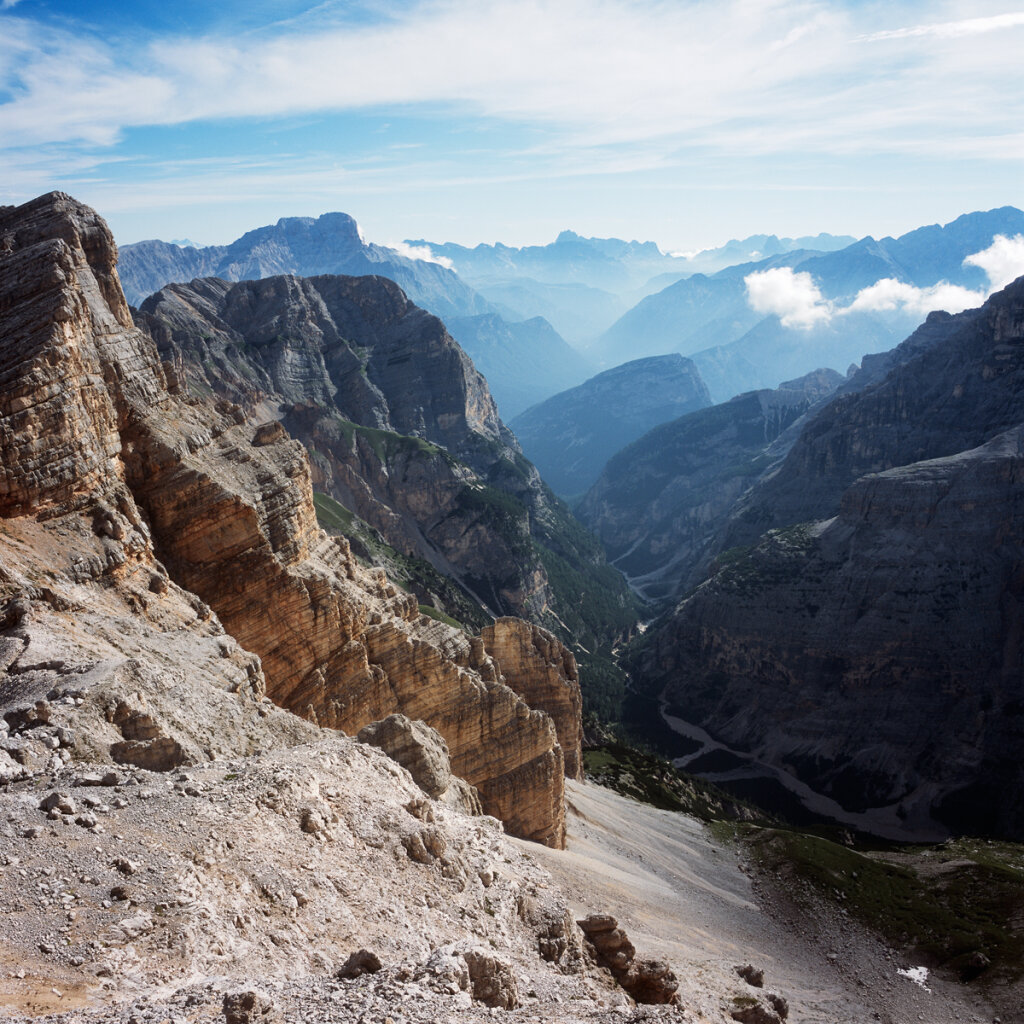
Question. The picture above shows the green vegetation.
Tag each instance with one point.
(652, 780)
(432, 612)
(409, 573)
(332, 515)
(958, 906)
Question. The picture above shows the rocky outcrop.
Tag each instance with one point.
(877, 653)
(423, 752)
(540, 669)
(647, 981)
(157, 497)
(660, 502)
(572, 435)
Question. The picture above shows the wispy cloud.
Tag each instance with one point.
(758, 75)
(889, 295)
(951, 29)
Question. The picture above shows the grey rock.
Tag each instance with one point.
(417, 747)
(362, 961)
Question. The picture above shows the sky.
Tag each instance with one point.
(685, 122)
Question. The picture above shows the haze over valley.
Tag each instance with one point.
(511, 511)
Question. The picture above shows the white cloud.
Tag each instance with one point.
(890, 295)
(755, 76)
(1002, 261)
(791, 296)
(420, 252)
(795, 298)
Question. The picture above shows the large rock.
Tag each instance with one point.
(419, 749)
(155, 483)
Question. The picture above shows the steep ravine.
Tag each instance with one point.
(873, 646)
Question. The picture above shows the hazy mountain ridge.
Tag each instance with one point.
(709, 317)
(660, 501)
(305, 246)
(572, 435)
(524, 363)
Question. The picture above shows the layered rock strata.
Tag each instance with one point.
(539, 668)
(401, 430)
(162, 497)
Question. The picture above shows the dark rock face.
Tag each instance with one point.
(572, 435)
(877, 652)
(660, 501)
(401, 430)
(951, 386)
(330, 244)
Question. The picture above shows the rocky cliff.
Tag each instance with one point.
(570, 436)
(659, 502)
(873, 645)
(141, 524)
(402, 432)
(544, 674)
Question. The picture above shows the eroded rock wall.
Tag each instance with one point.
(540, 669)
(177, 495)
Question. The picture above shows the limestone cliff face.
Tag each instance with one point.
(877, 652)
(951, 386)
(183, 496)
(401, 428)
(544, 674)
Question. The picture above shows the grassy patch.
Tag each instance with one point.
(433, 613)
(954, 905)
(331, 514)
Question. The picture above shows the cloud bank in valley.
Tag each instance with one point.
(797, 301)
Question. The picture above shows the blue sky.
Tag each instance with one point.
(686, 122)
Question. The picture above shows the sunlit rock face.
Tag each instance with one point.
(169, 505)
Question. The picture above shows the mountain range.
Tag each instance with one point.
(271, 746)
(572, 435)
(812, 323)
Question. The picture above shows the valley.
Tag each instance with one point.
(273, 565)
